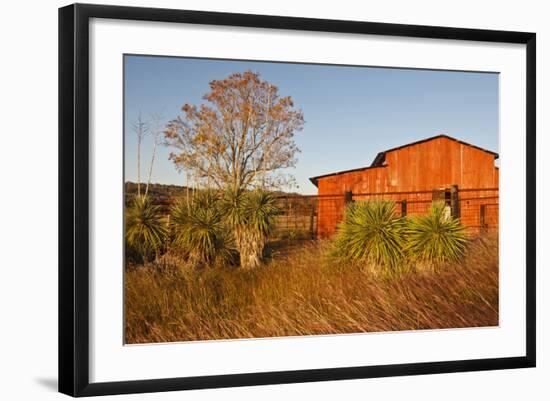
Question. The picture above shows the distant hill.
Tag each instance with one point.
(163, 191)
(155, 190)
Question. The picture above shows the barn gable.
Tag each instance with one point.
(380, 158)
(425, 148)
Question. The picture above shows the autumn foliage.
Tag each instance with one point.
(240, 138)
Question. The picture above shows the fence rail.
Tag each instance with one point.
(313, 216)
(477, 209)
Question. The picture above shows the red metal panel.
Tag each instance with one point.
(434, 164)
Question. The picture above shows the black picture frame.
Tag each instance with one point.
(74, 201)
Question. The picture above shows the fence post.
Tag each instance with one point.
(455, 203)
(312, 220)
(404, 208)
(483, 218)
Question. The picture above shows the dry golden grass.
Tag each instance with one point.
(303, 293)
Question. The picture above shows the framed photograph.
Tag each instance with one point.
(249, 199)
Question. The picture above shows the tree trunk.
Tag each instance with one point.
(139, 164)
(151, 167)
(250, 245)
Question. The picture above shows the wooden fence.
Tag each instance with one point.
(313, 216)
(318, 216)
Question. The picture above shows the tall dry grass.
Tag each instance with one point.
(301, 292)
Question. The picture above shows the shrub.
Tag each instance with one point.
(198, 229)
(145, 228)
(371, 232)
(436, 238)
(251, 217)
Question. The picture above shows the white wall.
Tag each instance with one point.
(28, 166)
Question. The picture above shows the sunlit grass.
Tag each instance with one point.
(301, 292)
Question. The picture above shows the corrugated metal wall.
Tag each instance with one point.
(426, 166)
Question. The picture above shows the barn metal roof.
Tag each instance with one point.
(380, 158)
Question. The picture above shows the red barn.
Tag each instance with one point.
(415, 174)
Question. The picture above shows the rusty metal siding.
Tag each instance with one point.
(433, 164)
(330, 209)
(439, 163)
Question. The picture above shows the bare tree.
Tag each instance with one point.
(140, 128)
(242, 138)
(156, 129)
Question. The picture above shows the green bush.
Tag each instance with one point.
(371, 232)
(251, 218)
(145, 228)
(198, 229)
(436, 238)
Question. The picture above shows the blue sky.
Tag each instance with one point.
(351, 113)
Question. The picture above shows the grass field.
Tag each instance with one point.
(303, 292)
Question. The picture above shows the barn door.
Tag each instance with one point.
(441, 194)
(449, 197)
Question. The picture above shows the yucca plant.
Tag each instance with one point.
(251, 217)
(372, 233)
(436, 238)
(145, 228)
(198, 229)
